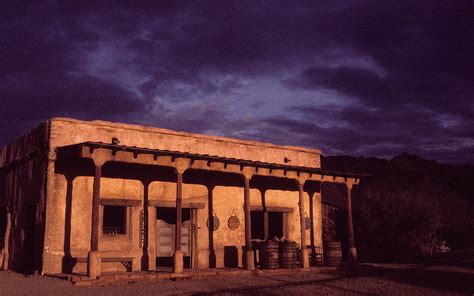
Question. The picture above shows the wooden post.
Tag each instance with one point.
(311, 231)
(249, 260)
(96, 209)
(195, 239)
(178, 254)
(6, 242)
(182, 165)
(67, 262)
(352, 255)
(210, 209)
(151, 238)
(265, 215)
(93, 259)
(304, 260)
(144, 228)
(179, 201)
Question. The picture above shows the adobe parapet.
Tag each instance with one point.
(67, 131)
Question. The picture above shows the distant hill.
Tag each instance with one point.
(411, 171)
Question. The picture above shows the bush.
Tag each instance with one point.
(394, 224)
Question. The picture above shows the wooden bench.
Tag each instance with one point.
(126, 261)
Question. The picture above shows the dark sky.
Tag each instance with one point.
(364, 78)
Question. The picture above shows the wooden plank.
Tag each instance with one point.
(106, 259)
(172, 204)
(120, 202)
(273, 209)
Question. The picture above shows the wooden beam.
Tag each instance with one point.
(172, 204)
(273, 209)
(124, 202)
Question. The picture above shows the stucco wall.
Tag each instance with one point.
(226, 200)
(67, 222)
(22, 192)
(69, 131)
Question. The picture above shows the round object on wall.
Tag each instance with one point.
(233, 221)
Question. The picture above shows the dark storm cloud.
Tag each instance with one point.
(226, 38)
(42, 73)
(373, 132)
(426, 56)
(425, 50)
(357, 82)
(401, 72)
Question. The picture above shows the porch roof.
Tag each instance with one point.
(209, 158)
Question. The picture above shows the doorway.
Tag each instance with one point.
(275, 224)
(166, 233)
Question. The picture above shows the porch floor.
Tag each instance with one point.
(188, 274)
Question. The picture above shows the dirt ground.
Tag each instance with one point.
(447, 276)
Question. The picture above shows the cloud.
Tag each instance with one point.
(43, 76)
(422, 48)
(349, 77)
(364, 84)
(370, 132)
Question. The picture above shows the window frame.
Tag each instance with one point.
(126, 222)
(130, 205)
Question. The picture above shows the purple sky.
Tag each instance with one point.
(363, 78)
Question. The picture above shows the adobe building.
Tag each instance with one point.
(95, 196)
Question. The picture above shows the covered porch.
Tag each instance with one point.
(99, 160)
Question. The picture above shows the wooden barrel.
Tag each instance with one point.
(332, 253)
(269, 254)
(288, 254)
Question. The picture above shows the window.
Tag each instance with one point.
(256, 223)
(275, 225)
(115, 220)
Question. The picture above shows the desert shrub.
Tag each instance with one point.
(394, 224)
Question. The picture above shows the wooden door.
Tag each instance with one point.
(165, 234)
(186, 238)
(165, 237)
